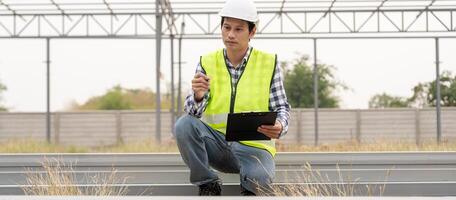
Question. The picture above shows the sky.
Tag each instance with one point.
(82, 68)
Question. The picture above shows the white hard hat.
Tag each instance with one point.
(240, 9)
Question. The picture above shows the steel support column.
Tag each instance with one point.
(437, 85)
(173, 109)
(315, 87)
(48, 91)
(158, 37)
(179, 80)
(179, 86)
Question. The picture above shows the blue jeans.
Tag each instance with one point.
(203, 148)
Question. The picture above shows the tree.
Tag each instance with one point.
(424, 94)
(113, 99)
(419, 98)
(298, 83)
(2, 89)
(387, 101)
(118, 98)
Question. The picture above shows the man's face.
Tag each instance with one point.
(236, 35)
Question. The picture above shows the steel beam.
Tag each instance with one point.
(48, 90)
(315, 89)
(400, 174)
(173, 100)
(179, 86)
(201, 23)
(158, 34)
(438, 94)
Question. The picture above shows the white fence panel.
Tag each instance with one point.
(335, 125)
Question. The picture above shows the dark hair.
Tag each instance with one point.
(251, 24)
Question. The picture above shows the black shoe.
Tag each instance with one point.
(210, 189)
(245, 192)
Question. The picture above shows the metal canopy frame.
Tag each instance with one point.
(133, 18)
(198, 19)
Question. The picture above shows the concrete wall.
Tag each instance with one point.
(335, 125)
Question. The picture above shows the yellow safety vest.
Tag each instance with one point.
(250, 94)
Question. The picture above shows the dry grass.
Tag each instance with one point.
(313, 183)
(143, 146)
(310, 182)
(378, 145)
(26, 145)
(60, 179)
(33, 146)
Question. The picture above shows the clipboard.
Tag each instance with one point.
(243, 126)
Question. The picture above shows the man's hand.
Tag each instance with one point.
(270, 130)
(200, 85)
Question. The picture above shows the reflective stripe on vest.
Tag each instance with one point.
(251, 93)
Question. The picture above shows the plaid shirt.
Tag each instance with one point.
(277, 98)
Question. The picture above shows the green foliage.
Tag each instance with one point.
(298, 83)
(387, 101)
(2, 89)
(118, 98)
(424, 94)
(114, 100)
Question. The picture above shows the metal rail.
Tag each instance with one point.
(218, 198)
(402, 174)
